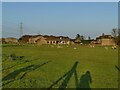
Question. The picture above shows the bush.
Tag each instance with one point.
(14, 57)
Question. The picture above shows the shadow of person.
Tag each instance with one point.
(85, 81)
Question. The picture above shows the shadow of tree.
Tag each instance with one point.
(85, 81)
(117, 68)
(66, 77)
(66, 80)
(23, 62)
(14, 74)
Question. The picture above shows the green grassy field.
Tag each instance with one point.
(98, 61)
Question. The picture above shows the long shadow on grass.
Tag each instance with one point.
(27, 69)
(85, 81)
(66, 77)
(26, 61)
(117, 68)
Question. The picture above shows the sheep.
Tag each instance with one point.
(59, 47)
(91, 46)
(106, 48)
(52, 46)
(74, 48)
(114, 47)
(81, 43)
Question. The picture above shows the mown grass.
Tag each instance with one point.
(99, 61)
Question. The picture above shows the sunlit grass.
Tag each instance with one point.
(99, 61)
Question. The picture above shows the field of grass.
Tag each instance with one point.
(40, 66)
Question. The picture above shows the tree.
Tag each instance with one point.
(89, 38)
(103, 34)
(82, 37)
(77, 39)
(118, 38)
(78, 36)
(115, 34)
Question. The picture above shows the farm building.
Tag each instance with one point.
(77, 41)
(95, 42)
(57, 40)
(44, 39)
(37, 39)
(92, 41)
(9, 40)
(105, 40)
(2, 40)
(25, 39)
(41, 41)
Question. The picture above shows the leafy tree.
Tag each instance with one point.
(103, 34)
(89, 38)
(82, 37)
(78, 36)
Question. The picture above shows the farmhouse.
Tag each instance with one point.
(44, 39)
(105, 40)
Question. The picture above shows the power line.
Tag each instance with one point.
(21, 29)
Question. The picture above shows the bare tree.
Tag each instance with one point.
(115, 34)
(118, 37)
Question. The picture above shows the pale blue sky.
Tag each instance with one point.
(60, 0)
(69, 19)
(0, 19)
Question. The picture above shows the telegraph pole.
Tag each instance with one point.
(21, 29)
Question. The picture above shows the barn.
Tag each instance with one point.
(9, 40)
(105, 40)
